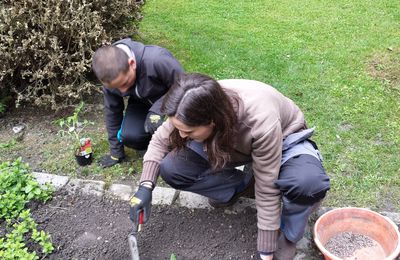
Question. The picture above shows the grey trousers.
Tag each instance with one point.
(302, 181)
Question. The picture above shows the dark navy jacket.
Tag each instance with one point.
(156, 69)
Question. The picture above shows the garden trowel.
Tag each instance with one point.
(133, 245)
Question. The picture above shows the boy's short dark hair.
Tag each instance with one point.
(108, 62)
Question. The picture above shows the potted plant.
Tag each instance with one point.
(74, 128)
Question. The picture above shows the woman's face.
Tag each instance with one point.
(197, 133)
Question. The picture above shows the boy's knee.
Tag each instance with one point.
(137, 142)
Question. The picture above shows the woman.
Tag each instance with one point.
(214, 127)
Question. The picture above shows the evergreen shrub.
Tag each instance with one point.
(46, 46)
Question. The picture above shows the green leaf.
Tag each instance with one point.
(29, 188)
(37, 191)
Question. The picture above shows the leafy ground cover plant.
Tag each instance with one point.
(17, 188)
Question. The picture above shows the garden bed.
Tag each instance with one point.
(91, 227)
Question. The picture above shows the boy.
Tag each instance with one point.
(143, 73)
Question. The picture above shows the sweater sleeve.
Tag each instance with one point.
(266, 155)
(156, 151)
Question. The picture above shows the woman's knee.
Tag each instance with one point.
(167, 170)
(304, 180)
(311, 188)
(178, 172)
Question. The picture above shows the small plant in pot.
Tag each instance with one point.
(74, 128)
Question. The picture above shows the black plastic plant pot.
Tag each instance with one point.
(84, 160)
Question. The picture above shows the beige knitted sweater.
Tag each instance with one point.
(265, 118)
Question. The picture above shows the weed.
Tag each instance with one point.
(2, 107)
(9, 144)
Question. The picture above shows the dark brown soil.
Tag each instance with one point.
(89, 227)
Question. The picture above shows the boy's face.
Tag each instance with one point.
(125, 80)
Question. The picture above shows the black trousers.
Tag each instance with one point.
(302, 180)
(132, 133)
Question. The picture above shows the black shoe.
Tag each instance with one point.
(108, 161)
(248, 192)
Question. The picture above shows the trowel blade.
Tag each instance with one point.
(133, 247)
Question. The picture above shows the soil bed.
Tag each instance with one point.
(90, 227)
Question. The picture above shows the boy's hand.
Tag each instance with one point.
(153, 121)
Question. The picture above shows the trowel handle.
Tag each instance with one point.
(140, 220)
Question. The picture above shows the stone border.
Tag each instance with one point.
(161, 195)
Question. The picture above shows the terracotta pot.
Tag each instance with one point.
(361, 221)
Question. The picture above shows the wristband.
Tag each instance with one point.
(266, 253)
(147, 184)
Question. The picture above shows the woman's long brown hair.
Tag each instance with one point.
(198, 100)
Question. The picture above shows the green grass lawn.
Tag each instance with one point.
(339, 61)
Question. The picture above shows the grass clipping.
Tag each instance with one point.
(386, 67)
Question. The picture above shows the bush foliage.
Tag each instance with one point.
(46, 46)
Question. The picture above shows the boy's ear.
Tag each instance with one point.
(132, 62)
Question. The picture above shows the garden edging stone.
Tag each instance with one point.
(89, 187)
(161, 195)
(56, 181)
(170, 196)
